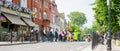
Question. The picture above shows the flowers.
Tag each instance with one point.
(15, 7)
(1, 3)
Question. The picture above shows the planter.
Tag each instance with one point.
(6, 10)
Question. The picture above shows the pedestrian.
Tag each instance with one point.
(36, 33)
(60, 37)
(89, 38)
(101, 38)
(108, 37)
(56, 35)
(51, 35)
(44, 35)
(69, 36)
(63, 35)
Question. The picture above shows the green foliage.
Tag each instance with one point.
(77, 18)
(75, 28)
(88, 30)
(76, 31)
(96, 26)
(101, 13)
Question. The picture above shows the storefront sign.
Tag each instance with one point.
(2, 19)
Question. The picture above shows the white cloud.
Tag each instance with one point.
(84, 6)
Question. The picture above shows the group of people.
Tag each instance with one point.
(103, 37)
(55, 35)
(34, 35)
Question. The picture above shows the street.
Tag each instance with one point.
(47, 46)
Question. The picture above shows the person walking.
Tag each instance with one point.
(44, 35)
(69, 36)
(36, 33)
(101, 38)
(56, 35)
(51, 36)
(31, 35)
(62, 34)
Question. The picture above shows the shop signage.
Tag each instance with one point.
(2, 19)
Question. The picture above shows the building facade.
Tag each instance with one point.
(16, 18)
(28, 13)
(61, 21)
(46, 14)
(53, 15)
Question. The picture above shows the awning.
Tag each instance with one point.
(14, 19)
(29, 22)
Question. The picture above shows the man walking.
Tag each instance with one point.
(56, 35)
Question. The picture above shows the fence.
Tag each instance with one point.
(95, 39)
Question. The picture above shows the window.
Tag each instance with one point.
(24, 3)
(45, 16)
(45, 4)
(40, 14)
(51, 19)
(9, 0)
(36, 0)
(35, 10)
(41, 3)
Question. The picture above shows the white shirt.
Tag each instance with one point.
(44, 31)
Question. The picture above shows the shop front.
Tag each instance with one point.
(31, 25)
(11, 28)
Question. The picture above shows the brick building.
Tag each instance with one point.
(53, 15)
(46, 14)
(16, 18)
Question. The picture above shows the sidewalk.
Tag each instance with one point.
(101, 47)
(89, 48)
(16, 43)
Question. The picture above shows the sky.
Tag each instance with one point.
(84, 6)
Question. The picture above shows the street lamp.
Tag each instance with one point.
(109, 32)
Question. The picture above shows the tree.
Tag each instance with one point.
(101, 14)
(77, 18)
(76, 31)
(88, 30)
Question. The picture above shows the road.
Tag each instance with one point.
(47, 46)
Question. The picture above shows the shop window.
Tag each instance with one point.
(4, 24)
(11, 26)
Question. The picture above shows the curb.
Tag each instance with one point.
(10, 44)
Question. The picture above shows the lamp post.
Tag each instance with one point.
(109, 32)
